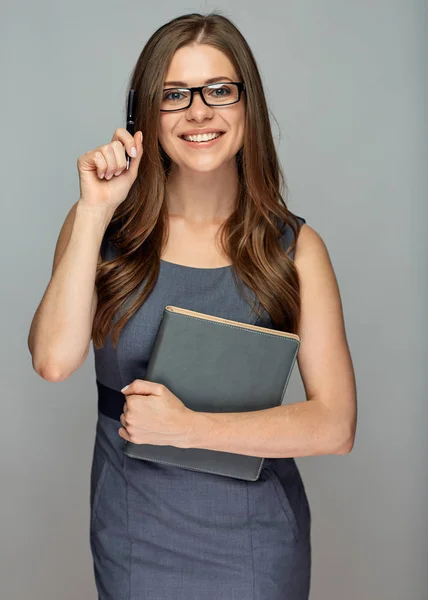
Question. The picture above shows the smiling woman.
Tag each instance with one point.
(198, 221)
(209, 167)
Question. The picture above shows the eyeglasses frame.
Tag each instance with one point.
(192, 90)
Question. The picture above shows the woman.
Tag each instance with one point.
(197, 222)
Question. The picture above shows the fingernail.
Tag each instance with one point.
(134, 151)
(125, 388)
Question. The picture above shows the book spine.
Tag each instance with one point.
(156, 345)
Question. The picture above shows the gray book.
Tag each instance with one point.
(217, 365)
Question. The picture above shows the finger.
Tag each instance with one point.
(135, 162)
(100, 163)
(129, 141)
(120, 156)
(110, 158)
(143, 387)
(123, 434)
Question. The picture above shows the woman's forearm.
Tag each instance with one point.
(60, 332)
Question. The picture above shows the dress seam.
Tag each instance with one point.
(251, 542)
(125, 477)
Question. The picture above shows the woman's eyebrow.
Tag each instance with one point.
(208, 81)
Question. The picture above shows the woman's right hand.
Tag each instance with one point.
(104, 180)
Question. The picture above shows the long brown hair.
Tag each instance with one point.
(250, 235)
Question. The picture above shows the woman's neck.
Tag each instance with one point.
(202, 198)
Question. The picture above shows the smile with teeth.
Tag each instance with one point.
(206, 137)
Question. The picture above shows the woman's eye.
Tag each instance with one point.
(168, 96)
(221, 90)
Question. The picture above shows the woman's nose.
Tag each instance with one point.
(198, 106)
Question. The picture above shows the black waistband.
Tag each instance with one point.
(110, 401)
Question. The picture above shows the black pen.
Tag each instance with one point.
(130, 114)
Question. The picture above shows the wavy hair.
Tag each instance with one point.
(251, 234)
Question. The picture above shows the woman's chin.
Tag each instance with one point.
(200, 165)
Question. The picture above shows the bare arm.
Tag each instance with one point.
(60, 333)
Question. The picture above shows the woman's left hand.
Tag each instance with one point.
(152, 414)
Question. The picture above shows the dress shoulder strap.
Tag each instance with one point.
(288, 234)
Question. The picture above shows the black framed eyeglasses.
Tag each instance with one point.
(214, 94)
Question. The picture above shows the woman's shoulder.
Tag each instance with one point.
(308, 241)
(310, 252)
(305, 233)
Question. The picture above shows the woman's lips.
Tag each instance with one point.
(207, 144)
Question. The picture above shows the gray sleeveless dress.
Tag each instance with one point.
(164, 533)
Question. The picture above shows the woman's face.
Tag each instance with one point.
(193, 66)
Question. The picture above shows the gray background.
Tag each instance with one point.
(347, 83)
